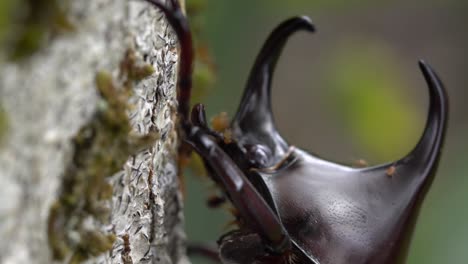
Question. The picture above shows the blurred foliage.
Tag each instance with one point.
(204, 75)
(352, 4)
(367, 94)
(6, 10)
(3, 125)
(200, 187)
(277, 4)
(26, 25)
(442, 233)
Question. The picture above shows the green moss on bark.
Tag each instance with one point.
(101, 149)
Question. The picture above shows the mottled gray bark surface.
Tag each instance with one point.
(48, 99)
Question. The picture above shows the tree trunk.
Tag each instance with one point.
(88, 142)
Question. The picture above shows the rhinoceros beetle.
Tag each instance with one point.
(294, 207)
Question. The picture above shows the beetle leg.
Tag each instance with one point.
(253, 209)
(254, 114)
(179, 23)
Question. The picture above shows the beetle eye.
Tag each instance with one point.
(258, 155)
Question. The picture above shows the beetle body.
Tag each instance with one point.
(294, 207)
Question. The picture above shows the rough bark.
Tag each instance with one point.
(75, 185)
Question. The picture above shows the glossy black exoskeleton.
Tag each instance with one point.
(294, 207)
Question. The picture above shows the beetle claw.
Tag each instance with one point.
(198, 119)
(198, 116)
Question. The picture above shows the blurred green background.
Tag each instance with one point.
(351, 91)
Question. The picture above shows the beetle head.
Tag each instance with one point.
(332, 213)
(335, 213)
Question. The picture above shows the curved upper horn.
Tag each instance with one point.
(421, 162)
(254, 116)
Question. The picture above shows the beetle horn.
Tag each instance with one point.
(421, 162)
(428, 148)
(254, 114)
